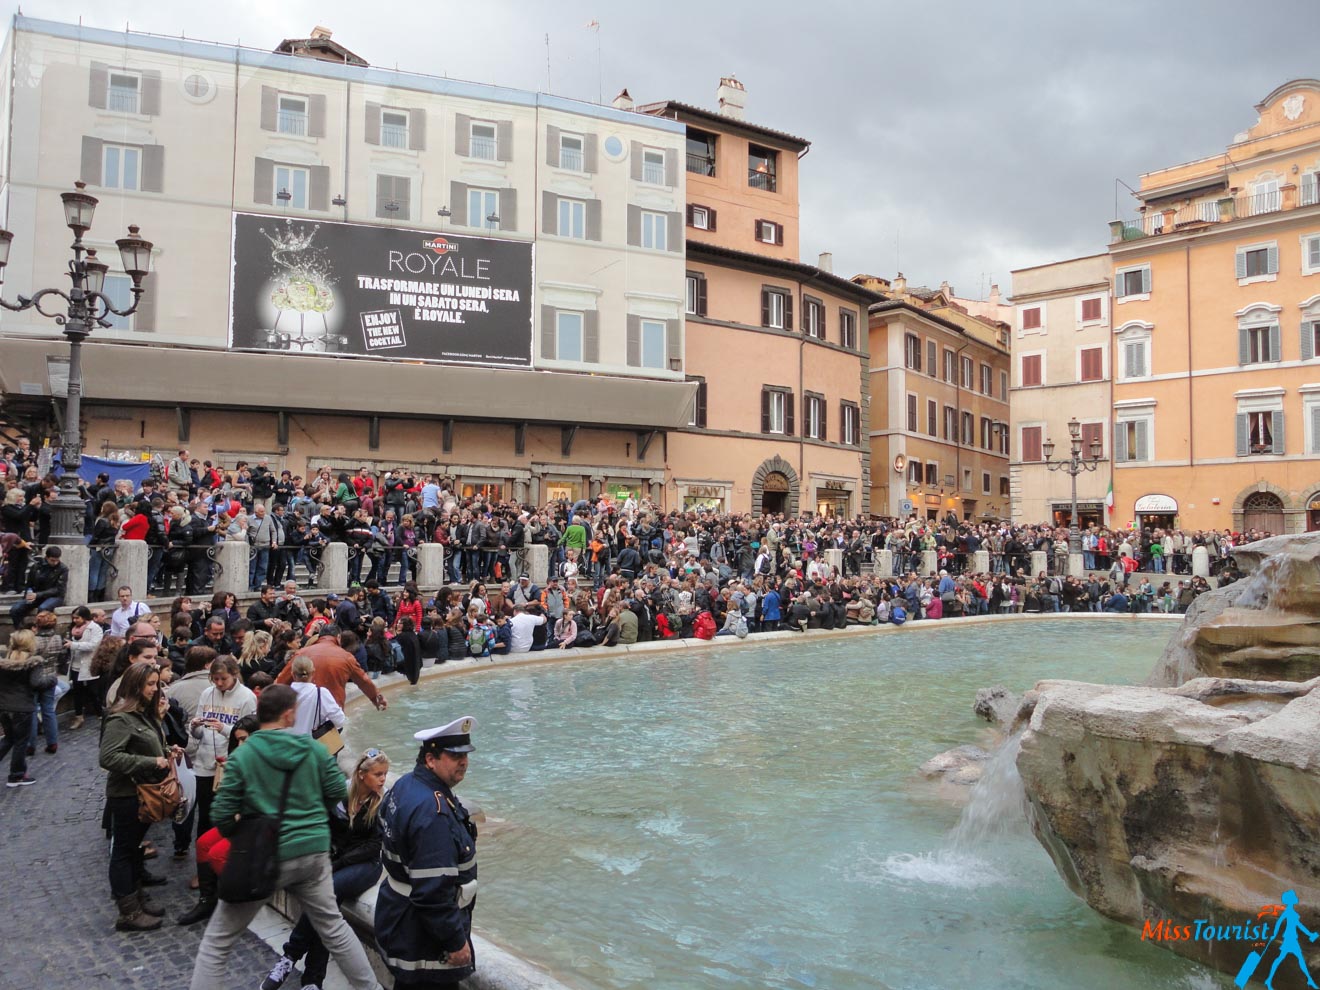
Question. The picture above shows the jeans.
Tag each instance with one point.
(155, 558)
(45, 701)
(1088, 559)
(308, 879)
(98, 569)
(1157, 564)
(257, 568)
(18, 727)
(347, 883)
(85, 697)
(21, 609)
(126, 835)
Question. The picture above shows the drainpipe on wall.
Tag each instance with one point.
(1191, 416)
(801, 389)
(957, 432)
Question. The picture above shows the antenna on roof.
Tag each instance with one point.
(547, 61)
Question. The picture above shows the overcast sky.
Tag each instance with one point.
(950, 140)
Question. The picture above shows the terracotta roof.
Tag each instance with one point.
(295, 46)
(699, 251)
(674, 108)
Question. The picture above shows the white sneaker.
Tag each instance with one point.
(278, 974)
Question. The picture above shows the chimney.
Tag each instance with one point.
(899, 284)
(732, 97)
(826, 262)
(321, 33)
(623, 101)
(947, 289)
(994, 293)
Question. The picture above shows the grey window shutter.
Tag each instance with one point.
(635, 154)
(316, 116)
(153, 168)
(824, 412)
(701, 404)
(1272, 259)
(701, 297)
(765, 410)
(1244, 345)
(1143, 440)
(458, 203)
(788, 314)
(1243, 435)
(1120, 442)
(788, 414)
(98, 85)
(674, 240)
(509, 209)
(548, 329)
(318, 188)
(591, 337)
(1240, 262)
(674, 342)
(634, 348)
(1142, 355)
(634, 225)
(1308, 341)
(593, 220)
(1120, 285)
(269, 101)
(710, 220)
(549, 212)
(504, 140)
(1276, 342)
(462, 134)
(263, 185)
(371, 127)
(1309, 187)
(552, 145)
(671, 167)
(1145, 281)
(384, 193)
(417, 130)
(150, 105)
(589, 153)
(91, 160)
(144, 320)
(1315, 429)
(1276, 428)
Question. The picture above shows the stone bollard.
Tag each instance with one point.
(980, 561)
(1076, 565)
(334, 570)
(538, 563)
(130, 562)
(884, 563)
(78, 559)
(1040, 562)
(1200, 562)
(834, 559)
(431, 565)
(233, 556)
(930, 562)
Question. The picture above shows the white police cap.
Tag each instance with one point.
(452, 738)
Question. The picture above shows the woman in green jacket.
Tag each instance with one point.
(133, 751)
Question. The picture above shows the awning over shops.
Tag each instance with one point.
(200, 377)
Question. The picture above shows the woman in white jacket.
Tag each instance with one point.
(316, 705)
(218, 708)
(84, 637)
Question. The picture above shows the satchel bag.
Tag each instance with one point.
(325, 732)
(157, 802)
(253, 867)
(40, 679)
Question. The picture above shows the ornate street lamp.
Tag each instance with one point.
(85, 307)
(1077, 463)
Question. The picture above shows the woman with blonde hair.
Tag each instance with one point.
(355, 842)
(255, 656)
(18, 702)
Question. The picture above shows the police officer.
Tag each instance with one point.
(424, 909)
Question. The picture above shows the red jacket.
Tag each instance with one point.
(136, 527)
(412, 610)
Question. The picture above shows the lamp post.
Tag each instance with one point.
(85, 307)
(1075, 465)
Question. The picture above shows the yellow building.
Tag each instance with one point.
(1216, 320)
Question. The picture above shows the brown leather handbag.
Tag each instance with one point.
(158, 802)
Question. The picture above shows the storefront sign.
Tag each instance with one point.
(621, 493)
(932, 500)
(556, 491)
(317, 287)
(1157, 505)
(705, 491)
(774, 482)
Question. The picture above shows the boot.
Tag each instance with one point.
(77, 722)
(148, 905)
(206, 886)
(132, 918)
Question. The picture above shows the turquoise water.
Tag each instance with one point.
(751, 817)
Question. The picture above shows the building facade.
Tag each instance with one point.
(352, 265)
(1061, 371)
(1216, 322)
(777, 346)
(939, 421)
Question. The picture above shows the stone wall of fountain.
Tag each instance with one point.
(1198, 795)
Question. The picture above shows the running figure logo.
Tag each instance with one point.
(1290, 923)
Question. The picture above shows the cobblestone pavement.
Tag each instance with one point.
(59, 930)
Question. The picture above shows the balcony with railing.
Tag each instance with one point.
(758, 179)
(1226, 209)
(122, 100)
(701, 164)
(292, 122)
(571, 159)
(654, 173)
(483, 147)
(394, 135)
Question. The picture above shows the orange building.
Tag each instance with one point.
(1216, 320)
(778, 347)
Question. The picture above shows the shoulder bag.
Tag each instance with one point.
(253, 867)
(158, 802)
(324, 731)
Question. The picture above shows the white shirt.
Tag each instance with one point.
(305, 720)
(122, 618)
(521, 626)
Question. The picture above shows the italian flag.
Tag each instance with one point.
(1109, 498)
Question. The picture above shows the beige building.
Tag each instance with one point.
(1061, 371)
(527, 249)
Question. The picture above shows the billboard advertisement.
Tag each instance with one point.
(318, 287)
